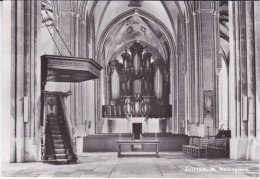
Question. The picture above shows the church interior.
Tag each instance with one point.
(79, 76)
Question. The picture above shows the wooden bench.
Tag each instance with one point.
(134, 142)
(217, 148)
(200, 147)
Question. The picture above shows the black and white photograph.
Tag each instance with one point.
(130, 89)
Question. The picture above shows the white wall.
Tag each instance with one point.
(125, 126)
(153, 125)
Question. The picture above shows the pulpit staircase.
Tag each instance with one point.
(58, 149)
(59, 146)
(58, 142)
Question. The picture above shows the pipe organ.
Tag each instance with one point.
(136, 86)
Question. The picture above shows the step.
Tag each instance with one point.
(56, 161)
(54, 127)
(51, 123)
(56, 156)
(56, 132)
(60, 156)
(60, 151)
(58, 141)
(58, 146)
(52, 118)
(56, 136)
(50, 157)
(60, 161)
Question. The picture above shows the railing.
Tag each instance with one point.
(48, 101)
(64, 116)
(117, 111)
(113, 111)
(43, 129)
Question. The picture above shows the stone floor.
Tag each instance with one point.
(169, 164)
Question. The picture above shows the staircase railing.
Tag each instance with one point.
(70, 127)
(43, 127)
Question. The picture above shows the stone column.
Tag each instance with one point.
(243, 69)
(186, 104)
(251, 80)
(196, 68)
(72, 103)
(192, 75)
(201, 40)
(207, 66)
(77, 86)
(231, 70)
(216, 77)
(76, 102)
(172, 96)
(238, 82)
(82, 53)
(257, 64)
(219, 96)
(256, 142)
(76, 38)
(189, 73)
(176, 86)
(83, 38)
(32, 78)
(37, 83)
(253, 144)
(239, 143)
(218, 88)
(20, 82)
(29, 43)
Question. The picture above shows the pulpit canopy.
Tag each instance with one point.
(68, 69)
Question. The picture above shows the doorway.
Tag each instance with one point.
(137, 130)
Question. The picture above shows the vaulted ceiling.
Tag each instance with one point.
(119, 22)
(112, 24)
